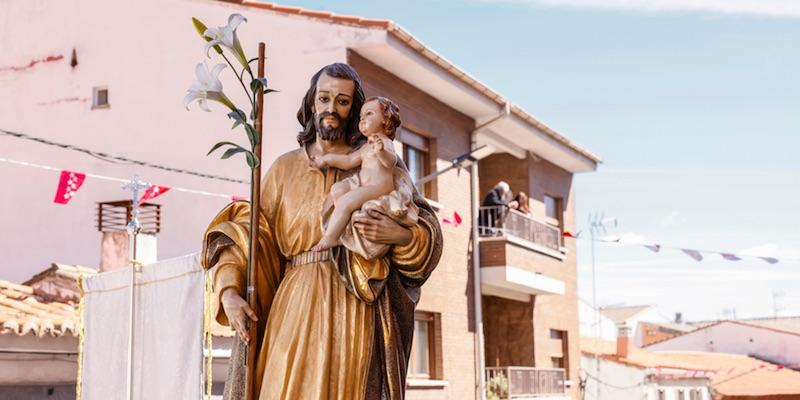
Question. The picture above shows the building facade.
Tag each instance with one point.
(106, 85)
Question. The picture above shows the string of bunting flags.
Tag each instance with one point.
(695, 254)
(70, 182)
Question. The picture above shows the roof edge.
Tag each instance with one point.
(401, 34)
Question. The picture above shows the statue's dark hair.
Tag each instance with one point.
(305, 115)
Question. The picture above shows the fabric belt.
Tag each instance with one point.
(309, 257)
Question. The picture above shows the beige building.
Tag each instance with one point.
(523, 325)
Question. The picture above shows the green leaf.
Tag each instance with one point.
(220, 144)
(252, 160)
(238, 116)
(266, 91)
(252, 134)
(200, 27)
(257, 83)
(232, 151)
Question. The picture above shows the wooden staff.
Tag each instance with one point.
(255, 197)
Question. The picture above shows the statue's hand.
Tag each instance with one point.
(237, 310)
(379, 228)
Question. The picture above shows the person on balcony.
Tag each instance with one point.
(522, 204)
(494, 207)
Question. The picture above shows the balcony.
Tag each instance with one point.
(499, 221)
(519, 256)
(525, 383)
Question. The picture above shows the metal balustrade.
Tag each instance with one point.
(524, 382)
(501, 220)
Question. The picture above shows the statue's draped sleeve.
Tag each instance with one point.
(392, 285)
(225, 246)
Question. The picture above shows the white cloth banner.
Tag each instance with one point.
(168, 332)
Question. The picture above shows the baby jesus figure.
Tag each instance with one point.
(382, 184)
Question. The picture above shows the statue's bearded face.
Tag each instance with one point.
(332, 104)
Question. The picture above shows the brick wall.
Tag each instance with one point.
(511, 325)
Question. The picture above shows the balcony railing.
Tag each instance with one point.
(500, 220)
(524, 382)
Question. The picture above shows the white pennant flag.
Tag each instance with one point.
(693, 253)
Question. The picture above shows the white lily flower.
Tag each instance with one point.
(226, 36)
(206, 87)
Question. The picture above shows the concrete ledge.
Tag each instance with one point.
(426, 383)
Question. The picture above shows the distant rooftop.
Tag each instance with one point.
(732, 376)
(622, 314)
(23, 313)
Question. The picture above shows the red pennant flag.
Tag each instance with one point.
(456, 221)
(571, 235)
(68, 184)
(655, 248)
(694, 254)
(730, 257)
(153, 192)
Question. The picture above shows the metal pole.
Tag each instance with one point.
(133, 229)
(476, 281)
(255, 192)
(597, 331)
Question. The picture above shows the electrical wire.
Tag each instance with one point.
(112, 179)
(116, 159)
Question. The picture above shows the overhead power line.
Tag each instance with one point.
(117, 159)
(112, 179)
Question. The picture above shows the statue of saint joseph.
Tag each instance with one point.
(331, 325)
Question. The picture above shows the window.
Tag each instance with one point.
(681, 394)
(419, 153)
(695, 394)
(426, 359)
(662, 395)
(551, 207)
(562, 361)
(415, 161)
(100, 97)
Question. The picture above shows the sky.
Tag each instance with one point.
(694, 106)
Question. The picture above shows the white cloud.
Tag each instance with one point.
(772, 250)
(625, 239)
(672, 220)
(775, 8)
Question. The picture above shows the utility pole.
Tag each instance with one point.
(777, 302)
(597, 226)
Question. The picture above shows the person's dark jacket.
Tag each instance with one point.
(490, 218)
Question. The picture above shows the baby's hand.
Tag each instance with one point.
(318, 161)
(377, 143)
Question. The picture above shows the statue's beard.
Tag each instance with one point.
(328, 132)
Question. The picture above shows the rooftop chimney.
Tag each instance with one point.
(112, 221)
(623, 340)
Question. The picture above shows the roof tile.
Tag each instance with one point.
(22, 313)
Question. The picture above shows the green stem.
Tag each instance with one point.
(252, 102)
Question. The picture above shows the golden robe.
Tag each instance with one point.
(338, 329)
